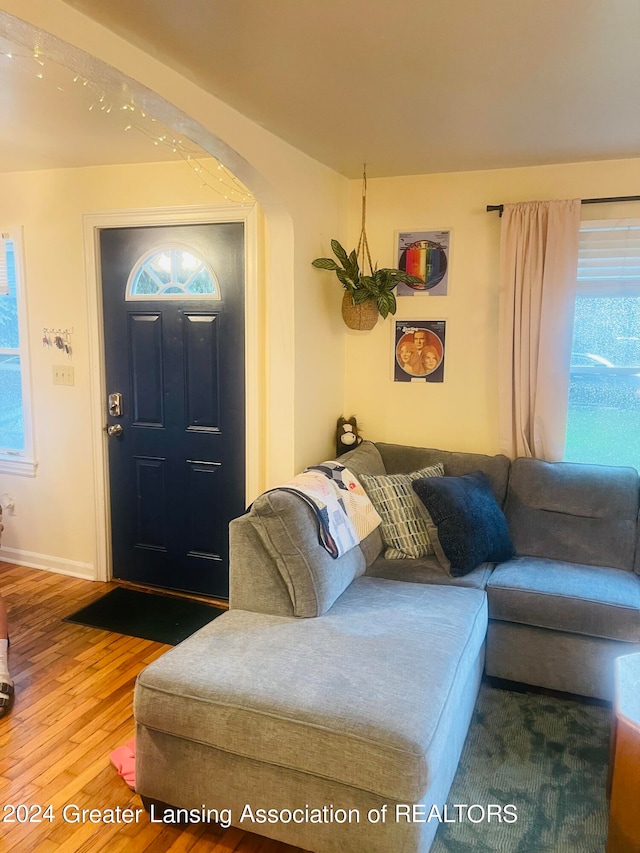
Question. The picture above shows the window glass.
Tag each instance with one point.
(11, 408)
(11, 416)
(172, 272)
(603, 424)
(9, 336)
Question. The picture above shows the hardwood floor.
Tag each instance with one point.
(73, 706)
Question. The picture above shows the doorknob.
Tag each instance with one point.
(115, 429)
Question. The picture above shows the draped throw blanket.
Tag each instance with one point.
(538, 271)
(344, 514)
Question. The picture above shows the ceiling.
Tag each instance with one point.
(51, 122)
(412, 87)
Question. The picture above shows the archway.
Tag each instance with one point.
(273, 457)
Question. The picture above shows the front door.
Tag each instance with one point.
(173, 301)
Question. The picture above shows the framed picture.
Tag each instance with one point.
(419, 350)
(424, 254)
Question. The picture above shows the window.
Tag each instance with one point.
(603, 424)
(172, 272)
(16, 449)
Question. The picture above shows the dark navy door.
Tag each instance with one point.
(173, 301)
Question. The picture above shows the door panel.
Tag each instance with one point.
(177, 471)
(150, 504)
(145, 354)
(201, 380)
(205, 498)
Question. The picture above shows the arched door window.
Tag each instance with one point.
(172, 272)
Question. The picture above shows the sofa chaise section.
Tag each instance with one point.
(365, 705)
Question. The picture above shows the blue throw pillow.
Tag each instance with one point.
(466, 525)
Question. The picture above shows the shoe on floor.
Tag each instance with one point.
(7, 695)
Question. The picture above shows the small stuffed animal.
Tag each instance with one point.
(347, 436)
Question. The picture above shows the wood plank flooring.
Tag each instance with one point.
(74, 688)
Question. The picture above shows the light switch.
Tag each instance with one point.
(63, 374)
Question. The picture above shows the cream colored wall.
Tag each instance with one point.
(460, 413)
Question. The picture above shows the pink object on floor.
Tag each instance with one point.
(124, 760)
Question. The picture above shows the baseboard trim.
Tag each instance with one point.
(47, 563)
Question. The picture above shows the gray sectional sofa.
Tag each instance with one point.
(337, 693)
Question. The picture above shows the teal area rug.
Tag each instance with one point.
(549, 758)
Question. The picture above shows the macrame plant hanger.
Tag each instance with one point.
(363, 316)
(363, 243)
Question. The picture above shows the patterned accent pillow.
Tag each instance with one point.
(404, 520)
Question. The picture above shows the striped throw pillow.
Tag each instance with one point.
(404, 520)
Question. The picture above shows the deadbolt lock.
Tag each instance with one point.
(115, 405)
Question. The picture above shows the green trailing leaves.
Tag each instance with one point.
(325, 264)
(405, 277)
(378, 286)
(347, 282)
(339, 252)
(348, 273)
(386, 304)
(361, 295)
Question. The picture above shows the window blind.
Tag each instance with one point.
(609, 259)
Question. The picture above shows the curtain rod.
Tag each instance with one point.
(611, 200)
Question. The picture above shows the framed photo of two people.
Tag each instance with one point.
(419, 350)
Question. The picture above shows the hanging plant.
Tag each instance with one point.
(372, 292)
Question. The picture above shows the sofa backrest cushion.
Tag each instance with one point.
(400, 459)
(569, 511)
(364, 459)
(288, 531)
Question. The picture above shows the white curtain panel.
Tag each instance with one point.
(538, 268)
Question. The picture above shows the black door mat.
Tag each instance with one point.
(162, 618)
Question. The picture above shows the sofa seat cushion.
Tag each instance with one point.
(592, 600)
(428, 570)
(360, 695)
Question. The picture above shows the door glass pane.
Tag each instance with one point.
(11, 418)
(145, 284)
(172, 272)
(603, 423)
(186, 265)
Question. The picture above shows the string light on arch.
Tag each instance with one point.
(210, 172)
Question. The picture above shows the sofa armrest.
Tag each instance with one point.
(254, 580)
